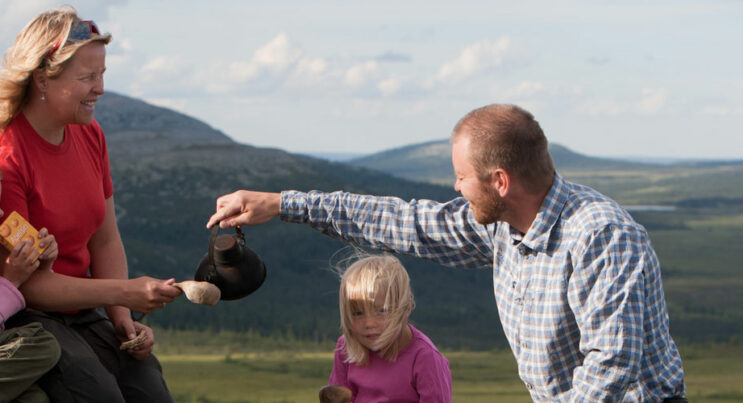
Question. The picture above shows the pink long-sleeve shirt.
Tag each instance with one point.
(11, 301)
(419, 374)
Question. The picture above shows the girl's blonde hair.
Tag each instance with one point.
(31, 51)
(362, 282)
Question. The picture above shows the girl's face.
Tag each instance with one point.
(72, 96)
(366, 327)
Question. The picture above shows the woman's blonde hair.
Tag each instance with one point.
(42, 44)
(362, 282)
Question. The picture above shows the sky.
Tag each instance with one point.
(620, 78)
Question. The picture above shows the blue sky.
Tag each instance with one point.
(605, 78)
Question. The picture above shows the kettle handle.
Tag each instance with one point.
(213, 238)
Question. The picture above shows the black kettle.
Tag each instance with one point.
(235, 269)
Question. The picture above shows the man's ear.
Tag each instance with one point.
(500, 181)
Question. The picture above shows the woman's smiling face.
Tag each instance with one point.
(71, 96)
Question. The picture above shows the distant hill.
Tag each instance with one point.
(431, 161)
(629, 182)
(168, 169)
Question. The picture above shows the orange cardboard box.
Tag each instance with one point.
(14, 229)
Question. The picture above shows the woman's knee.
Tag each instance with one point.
(81, 379)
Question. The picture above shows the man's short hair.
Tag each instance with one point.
(507, 137)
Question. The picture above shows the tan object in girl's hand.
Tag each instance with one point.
(200, 292)
(335, 394)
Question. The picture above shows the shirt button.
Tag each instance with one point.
(529, 386)
(513, 285)
(524, 345)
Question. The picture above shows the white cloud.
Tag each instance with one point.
(14, 15)
(357, 75)
(474, 59)
(277, 64)
(389, 86)
(523, 89)
(159, 64)
(158, 74)
(277, 55)
(601, 107)
(178, 104)
(310, 69)
(720, 111)
(653, 99)
(274, 58)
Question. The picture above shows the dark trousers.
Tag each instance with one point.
(92, 368)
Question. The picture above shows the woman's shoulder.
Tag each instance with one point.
(90, 136)
(15, 130)
(13, 141)
(93, 129)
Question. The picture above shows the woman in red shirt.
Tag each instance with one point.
(55, 172)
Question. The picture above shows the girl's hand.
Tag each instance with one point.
(21, 263)
(51, 252)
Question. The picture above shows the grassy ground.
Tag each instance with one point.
(713, 374)
(700, 255)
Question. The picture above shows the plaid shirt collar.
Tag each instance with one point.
(538, 236)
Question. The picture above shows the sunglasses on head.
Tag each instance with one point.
(80, 31)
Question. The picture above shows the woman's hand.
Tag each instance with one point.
(146, 294)
(51, 252)
(128, 330)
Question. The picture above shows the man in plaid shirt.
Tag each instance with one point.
(577, 283)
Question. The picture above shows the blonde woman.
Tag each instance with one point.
(55, 172)
(380, 356)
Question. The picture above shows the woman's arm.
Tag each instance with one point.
(49, 291)
(108, 260)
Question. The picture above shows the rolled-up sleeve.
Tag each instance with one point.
(442, 232)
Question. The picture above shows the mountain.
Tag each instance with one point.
(168, 169)
(431, 161)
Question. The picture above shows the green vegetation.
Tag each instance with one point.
(274, 345)
(227, 367)
(169, 168)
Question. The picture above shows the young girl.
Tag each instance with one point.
(381, 357)
(26, 352)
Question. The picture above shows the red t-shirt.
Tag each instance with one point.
(61, 187)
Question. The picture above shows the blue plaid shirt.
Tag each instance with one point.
(579, 295)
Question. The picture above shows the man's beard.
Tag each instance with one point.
(490, 209)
